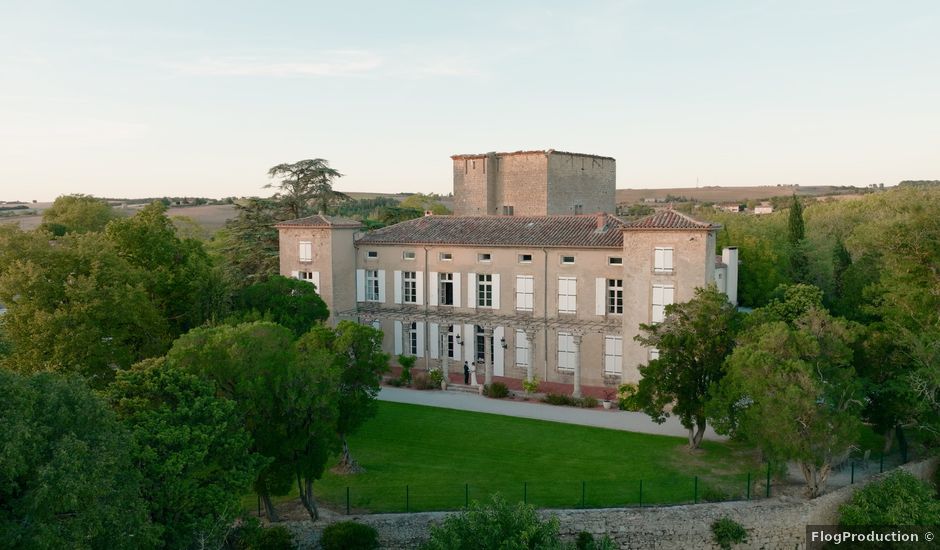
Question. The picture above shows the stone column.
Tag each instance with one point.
(488, 355)
(577, 366)
(531, 335)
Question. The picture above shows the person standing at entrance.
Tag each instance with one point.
(466, 373)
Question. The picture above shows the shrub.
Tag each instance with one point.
(726, 532)
(496, 390)
(530, 386)
(558, 399)
(626, 397)
(406, 362)
(277, 537)
(436, 377)
(587, 402)
(586, 541)
(394, 382)
(494, 525)
(898, 499)
(714, 494)
(424, 382)
(250, 535)
(349, 535)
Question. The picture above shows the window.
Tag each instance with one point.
(654, 354)
(578, 208)
(522, 349)
(615, 296)
(484, 290)
(613, 354)
(484, 257)
(413, 339)
(446, 256)
(613, 260)
(449, 341)
(525, 258)
(305, 276)
(480, 338)
(372, 254)
(408, 255)
(662, 260)
(305, 253)
(567, 260)
(567, 352)
(372, 285)
(663, 295)
(567, 295)
(507, 210)
(525, 285)
(409, 285)
(446, 292)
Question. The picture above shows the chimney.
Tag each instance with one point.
(428, 213)
(601, 220)
(729, 257)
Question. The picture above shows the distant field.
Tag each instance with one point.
(730, 194)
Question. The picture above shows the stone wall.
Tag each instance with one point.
(772, 523)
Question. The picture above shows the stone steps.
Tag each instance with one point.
(462, 388)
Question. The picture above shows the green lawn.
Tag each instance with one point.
(445, 456)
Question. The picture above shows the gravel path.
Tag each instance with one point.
(614, 420)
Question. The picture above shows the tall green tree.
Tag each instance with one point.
(249, 244)
(288, 302)
(693, 342)
(796, 237)
(67, 475)
(77, 307)
(792, 391)
(77, 214)
(305, 185)
(192, 450)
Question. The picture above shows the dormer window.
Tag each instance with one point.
(372, 254)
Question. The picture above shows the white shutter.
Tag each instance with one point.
(419, 328)
(315, 279)
(397, 287)
(499, 354)
(573, 294)
(434, 287)
(669, 295)
(360, 285)
(419, 287)
(382, 286)
(469, 343)
(659, 259)
(295, 274)
(472, 290)
(457, 290)
(496, 291)
(435, 341)
(398, 338)
(530, 293)
(600, 296)
(520, 292)
(522, 348)
(667, 259)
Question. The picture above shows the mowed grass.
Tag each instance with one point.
(425, 458)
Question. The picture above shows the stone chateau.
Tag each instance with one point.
(532, 277)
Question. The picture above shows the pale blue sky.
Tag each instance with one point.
(127, 98)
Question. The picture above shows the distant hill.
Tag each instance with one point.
(733, 194)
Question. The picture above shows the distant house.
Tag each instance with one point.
(730, 207)
(764, 208)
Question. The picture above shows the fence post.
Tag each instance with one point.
(466, 495)
(695, 492)
(407, 504)
(641, 493)
(525, 492)
(852, 480)
(582, 494)
(347, 500)
(749, 485)
(768, 479)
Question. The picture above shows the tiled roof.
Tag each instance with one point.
(319, 220)
(542, 231)
(669, 219)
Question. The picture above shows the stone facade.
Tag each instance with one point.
(533, 183)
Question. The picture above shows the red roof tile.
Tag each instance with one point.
(319, 220)
(541, 231)
(669, 219)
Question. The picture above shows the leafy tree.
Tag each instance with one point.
(288, 302)
(693, 342)
(191, 448)
(898, 499)
(177, 273)
(279, 396)
(67, 476)
(495, 525)
(306, 182)
(791, 390)
(77, 214)
(391, 215)
(796, 237)
(78, 307)
(422, 203)
(762, 247)
(248, 244)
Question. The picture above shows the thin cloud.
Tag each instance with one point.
(327, 64)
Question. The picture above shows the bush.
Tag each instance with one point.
(714, 494)
(349, 535)
(496, 390)
(726, 532)
(394, 382)
(406, 362)
(558, 399)
(250, 535)
(626, 397)
(494, 525)
(898, 499)
(424, 382)
(436, 377)
(277, 537)
(586, 541)
(587, 402)
(530, 386)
